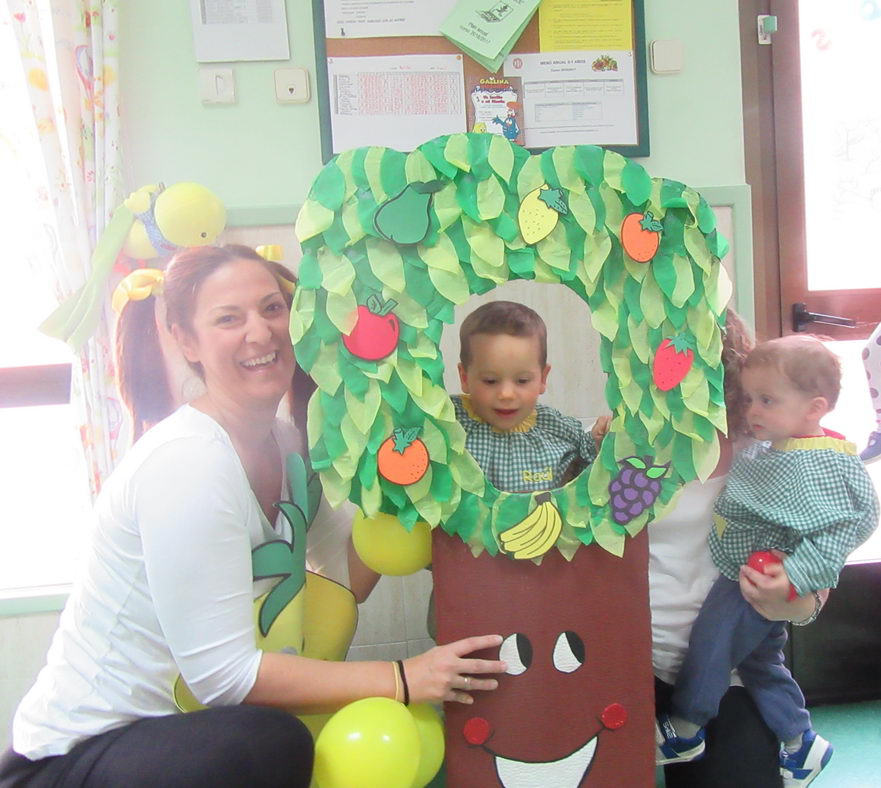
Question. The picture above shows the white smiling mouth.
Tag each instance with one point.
(261, 361)
(567, 772)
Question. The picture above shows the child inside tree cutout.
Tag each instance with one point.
(872, 363)
(520, 445)
(802, 492)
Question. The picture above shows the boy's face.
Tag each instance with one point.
(775, 409)
(505, 378)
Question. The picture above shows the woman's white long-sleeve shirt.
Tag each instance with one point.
(167, 588)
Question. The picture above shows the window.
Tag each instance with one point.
(44, 502)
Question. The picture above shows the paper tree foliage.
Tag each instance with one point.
(642, 252)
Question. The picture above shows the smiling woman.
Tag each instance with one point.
(200, 530)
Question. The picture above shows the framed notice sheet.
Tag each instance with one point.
(229, 30)
(387, 77)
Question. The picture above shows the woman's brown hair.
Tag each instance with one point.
(141, 374)
(737, 342)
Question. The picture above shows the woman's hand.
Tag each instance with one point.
(443, 674)
(768, 593)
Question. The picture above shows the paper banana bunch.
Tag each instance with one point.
(536, 533)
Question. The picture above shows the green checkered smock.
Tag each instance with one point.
(809, 497)
(534, 455)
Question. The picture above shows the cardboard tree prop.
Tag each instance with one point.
(391, 243)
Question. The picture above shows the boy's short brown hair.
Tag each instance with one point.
(806, 363)
(503, 317)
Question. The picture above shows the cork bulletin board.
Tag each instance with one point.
(383, 89)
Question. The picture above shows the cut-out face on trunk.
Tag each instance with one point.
(576, 702)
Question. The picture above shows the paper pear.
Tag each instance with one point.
(404, 219)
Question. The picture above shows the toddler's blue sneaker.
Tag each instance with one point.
(873, 447)
(801, 768)
(672, 748)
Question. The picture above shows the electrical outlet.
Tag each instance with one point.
(292, 85)
(217, 86)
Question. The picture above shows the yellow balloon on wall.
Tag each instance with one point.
(186, 214)
(431, 743)
(385, 546)
(371, 743)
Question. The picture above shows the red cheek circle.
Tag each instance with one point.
(476, 731)
(614, 716)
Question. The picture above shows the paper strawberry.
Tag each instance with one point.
(673, 359)
(376, 332)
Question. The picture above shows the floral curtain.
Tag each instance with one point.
(69, 58)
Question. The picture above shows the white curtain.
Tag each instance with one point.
(69, 64)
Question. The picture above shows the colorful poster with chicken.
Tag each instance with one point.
(494, 107)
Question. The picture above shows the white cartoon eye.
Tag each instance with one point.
(516, 650)
(568, 652)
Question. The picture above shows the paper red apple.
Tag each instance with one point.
(376, 331)
(762, 558)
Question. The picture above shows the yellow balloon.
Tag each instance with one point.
(385, 546)
(431, 739)
(371, 743)
(188, 214)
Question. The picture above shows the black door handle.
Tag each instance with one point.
(801, 317)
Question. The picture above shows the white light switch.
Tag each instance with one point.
(665, 56)
(292, 85)
(217, 86)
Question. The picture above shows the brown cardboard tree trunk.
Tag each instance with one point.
(601, 714)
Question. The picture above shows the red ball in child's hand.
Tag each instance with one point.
(762, 558)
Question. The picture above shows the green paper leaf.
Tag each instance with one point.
(589, 163)
(338, 274)
(411, 375)
(312, 220)
(501, 157)
(446, 206)
(582, 209)
(442, 257)
(329, 187)
(608, 538)
(638, 331)
(554, 249)
(684, 280)
(636, 182)
(613, 168)
(456, 151)
(605, 319)
(325, 372)
(652, 302)
(342, 309)
(373, 170)
(418, 168)
(409, 311)
(364, 410)
(529, 178)
(490, 198)
(452, 286)
(302, 313)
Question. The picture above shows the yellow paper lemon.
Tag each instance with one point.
(539, 213)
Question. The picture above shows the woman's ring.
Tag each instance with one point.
(467, 680)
